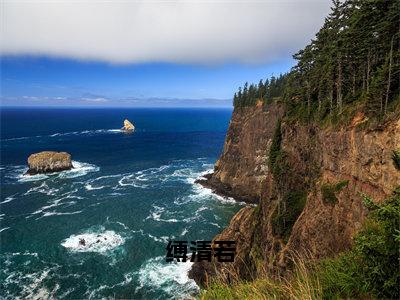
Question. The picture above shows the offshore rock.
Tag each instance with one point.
(128, 126)
(49, 162)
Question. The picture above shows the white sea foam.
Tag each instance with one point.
(62, 134)
(25, 177)
(54, 213)
(132, 180)
(95, 294)
(31, 284)
(184, 231)
(3, 229)
(156, 215)
(26, 253)
(43, 189)
(202, 192)
(100, 242)
(89, 187)
(8, 199)
(171, 277)
(161, 239)
(79, 169)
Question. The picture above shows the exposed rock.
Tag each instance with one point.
(49, 162)
(243, 166)
(128, 126)
(315, 156)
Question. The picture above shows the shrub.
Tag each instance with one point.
(287, 213)
(369, 270)
(372, 266)
(275, 148)
(329, 191)
(396, 159)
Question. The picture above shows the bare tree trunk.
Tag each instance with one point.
(331, 98)
(363, 82)
(368, 68)
(389, 75)
(308, 98)
(319, 98)
(339, 87)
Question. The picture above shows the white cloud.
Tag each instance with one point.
(99, 99)
(122, 31)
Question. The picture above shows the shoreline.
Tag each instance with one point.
(224, 190)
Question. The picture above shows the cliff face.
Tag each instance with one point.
(242, 169)
(311, 201)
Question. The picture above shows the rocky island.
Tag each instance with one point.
(49, 162)
(128, 126)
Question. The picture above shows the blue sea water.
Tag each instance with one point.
(128, 195)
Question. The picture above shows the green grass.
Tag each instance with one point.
(300, 284)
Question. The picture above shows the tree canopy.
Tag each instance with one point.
(354, 57)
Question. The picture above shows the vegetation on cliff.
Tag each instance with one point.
(369, 269)
(354, 60)
(294, 197)
(349, 72)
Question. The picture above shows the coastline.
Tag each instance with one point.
(224, 190)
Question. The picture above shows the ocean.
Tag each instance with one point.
(128, 195)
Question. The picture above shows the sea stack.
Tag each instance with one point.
(49, 162)
(128, 126)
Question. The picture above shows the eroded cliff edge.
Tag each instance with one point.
(309, 198)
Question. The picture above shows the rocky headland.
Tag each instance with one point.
(310, 200)
(49, 162)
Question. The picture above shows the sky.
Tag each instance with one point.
(147, 53)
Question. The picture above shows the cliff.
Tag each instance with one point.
(242, 169)
(308, 182)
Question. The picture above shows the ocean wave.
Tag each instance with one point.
(132, 180)
(172, 278)
(8, 199)
(96, 293)
(156, 215)
(43, 189)
(79, 169)
(201, 192)
(52, 204)
(178, 170)
(89, 187)
(100, 242)
(54, 213)
(98, 183)
(28, 284)
(34, 289)
(159, 239)
(184, 231)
